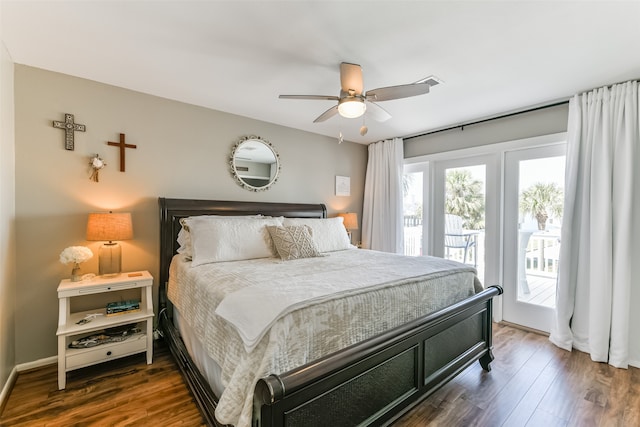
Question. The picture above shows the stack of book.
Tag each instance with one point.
(122, 307)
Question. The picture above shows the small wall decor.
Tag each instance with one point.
(343, 185)
(122, 147)
(69, 128)
(96, 164)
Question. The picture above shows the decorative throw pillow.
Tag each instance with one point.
(293, 242)
(328, 234)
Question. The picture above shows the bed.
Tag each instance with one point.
(370, 381)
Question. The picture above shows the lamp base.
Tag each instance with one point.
(110, 259)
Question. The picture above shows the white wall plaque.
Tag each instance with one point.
(343, 185)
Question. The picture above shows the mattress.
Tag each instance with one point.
(308, 308)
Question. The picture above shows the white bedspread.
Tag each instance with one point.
(264, 316)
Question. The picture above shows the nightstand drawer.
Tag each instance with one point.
(101, 353)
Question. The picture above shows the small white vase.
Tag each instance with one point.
(76, 276)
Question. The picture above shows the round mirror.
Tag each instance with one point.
(254, 163)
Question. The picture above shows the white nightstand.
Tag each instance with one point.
(69, 329)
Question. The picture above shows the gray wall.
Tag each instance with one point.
(7, 218)
(182, 152)
(541, 122)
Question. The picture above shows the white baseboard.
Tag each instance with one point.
(8, 386)
(13, 376)
(37, 363)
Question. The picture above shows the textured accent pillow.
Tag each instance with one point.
(293, 242)
(328, 234)
(230, 239)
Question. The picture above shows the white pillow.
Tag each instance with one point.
(230, 239)
(328, 234)
(184, 237)
(184, 242)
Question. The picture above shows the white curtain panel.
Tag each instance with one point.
(597, 278)
(382, 210)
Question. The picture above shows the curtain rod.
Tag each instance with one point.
(502, 116)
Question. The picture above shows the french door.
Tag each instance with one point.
(533, 202)
(483, 207)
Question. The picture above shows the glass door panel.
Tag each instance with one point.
(534, 197)
(540, 199)
(466, 210)
(413, 209)
(464, 213)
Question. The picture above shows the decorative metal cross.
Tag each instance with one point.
(69, 128)
(122, 147)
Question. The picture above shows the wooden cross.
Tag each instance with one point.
(69, 128)
(122, 146)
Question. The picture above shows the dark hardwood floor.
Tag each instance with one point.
(532, 383)
(123, 392)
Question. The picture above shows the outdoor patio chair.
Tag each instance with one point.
(457, 238)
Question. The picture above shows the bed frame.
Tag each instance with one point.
(371, 382)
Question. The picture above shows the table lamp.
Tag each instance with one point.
(350, 221)
(109, 227)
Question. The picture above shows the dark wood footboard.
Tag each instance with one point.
(376, 381)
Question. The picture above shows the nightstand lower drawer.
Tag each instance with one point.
(101, 353)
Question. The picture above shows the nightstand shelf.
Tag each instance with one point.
(69, 329)
(99, 322)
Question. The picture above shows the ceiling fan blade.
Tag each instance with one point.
(377, 113)
(351, 78)
(397, 92)
(313, 97)
(327, 114)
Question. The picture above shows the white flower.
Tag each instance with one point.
(97, 163)
(75, 254)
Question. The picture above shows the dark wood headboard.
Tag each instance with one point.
(172, 210)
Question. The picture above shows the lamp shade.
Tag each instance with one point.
(109, 226)
(350, 220)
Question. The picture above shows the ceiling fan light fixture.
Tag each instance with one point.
(351, 107)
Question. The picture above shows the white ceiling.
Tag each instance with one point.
(238, 56)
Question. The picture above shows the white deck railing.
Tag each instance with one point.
(542, 253)
(413, 241)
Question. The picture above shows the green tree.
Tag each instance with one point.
(465, 198)
(541, 201)
(407, 181)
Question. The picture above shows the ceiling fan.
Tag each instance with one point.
(353, 101)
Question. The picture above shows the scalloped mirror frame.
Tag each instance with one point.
(242, 178)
